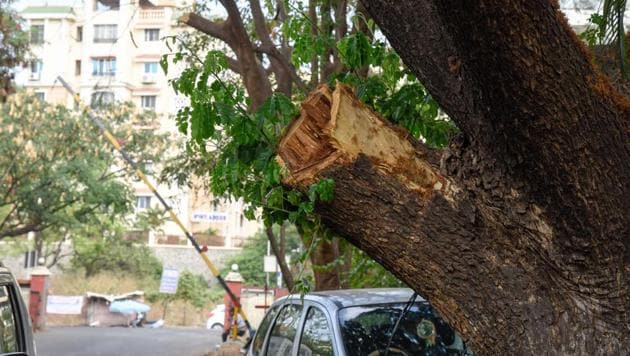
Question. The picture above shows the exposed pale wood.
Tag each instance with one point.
(335, 127)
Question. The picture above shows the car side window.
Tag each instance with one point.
(284, 330)
(259, 339)
(316, 337)
(8, 325)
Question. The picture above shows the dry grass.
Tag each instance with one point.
(178, 313)
(106, 283)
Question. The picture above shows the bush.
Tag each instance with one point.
(115, 255)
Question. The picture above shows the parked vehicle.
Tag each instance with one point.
(216, 318)
(354, 322)
(16, 336)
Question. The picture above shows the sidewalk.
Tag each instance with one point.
(230, 348)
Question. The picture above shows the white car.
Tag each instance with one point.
(216, 318)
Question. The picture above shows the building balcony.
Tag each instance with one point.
(153, 15)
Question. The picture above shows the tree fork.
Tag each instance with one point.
(458, 249)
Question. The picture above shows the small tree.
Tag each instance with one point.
(102, 247)
(14, 46)
(57, 175)
(191, 288)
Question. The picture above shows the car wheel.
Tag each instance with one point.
(216, 326)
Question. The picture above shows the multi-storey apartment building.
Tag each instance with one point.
(109, 50)
(106, 50)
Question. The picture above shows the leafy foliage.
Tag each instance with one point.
(96, 253)
(609, 30)
(250, 260)
(392, 90)
(14, 46)
(367, 273)
(192, 288)
(58, 176)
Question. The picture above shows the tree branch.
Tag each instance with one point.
(252, 71)
(233, 64)
(274, 53)
(215, 29)
(56, 253)
(19, 231)
(277, 251)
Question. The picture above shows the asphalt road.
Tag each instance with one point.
(115, 341)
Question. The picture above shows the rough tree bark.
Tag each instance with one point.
(519, 232)
(543, 164)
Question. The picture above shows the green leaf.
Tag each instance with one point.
(355, 50)
(164, 63)
(324, 189)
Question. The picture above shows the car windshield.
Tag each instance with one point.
(366, 330)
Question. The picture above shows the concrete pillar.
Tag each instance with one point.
(234, 282)
(39, 295)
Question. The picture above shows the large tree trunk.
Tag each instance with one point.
(459, 227)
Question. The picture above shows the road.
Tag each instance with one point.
(106, 341)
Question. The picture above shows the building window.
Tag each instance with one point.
(77, 67)
(40, 95)
(105, 33)
(143, 202)
(36, 67)
(30, 259)
(79, 33)
(151, 68)
(101, 98)
(148, 101)
(152, 34)
(37, 34)
(106, 5)
(104, 66)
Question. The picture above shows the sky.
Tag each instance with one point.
(21, 4)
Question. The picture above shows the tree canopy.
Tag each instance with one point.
(58, 175)
(14, 46)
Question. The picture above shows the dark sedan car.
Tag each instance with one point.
(355, 322)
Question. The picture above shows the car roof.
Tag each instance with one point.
(353, 297)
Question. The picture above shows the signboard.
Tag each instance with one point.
(209, 216)
(168, 283)
(271, 264)
(62, 304)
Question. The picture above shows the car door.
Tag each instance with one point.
(317, 334)
(282, 336)
(258, 344)
(15, 334)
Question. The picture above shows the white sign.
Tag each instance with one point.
(168, 283)
(271, 263)
(61, 304)
(212, 216)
